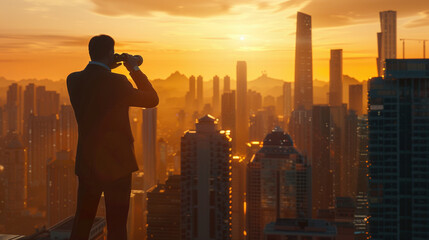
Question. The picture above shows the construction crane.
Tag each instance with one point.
(409, 39)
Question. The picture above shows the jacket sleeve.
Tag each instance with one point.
(144, 96)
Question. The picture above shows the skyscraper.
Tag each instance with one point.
(226, 84)
(62, 187)
(322, 176)
(206, 182)
(239, 169)
(192, 83)
(398, 120)
(68, 132)
(15, 166)
(386, 38)
(149, 147)
(336, 77)
(29, 107)
(287, 101)
(200, 93)
(278, 184)
(13, 108)
(42, 145)
(163, 206)
(355, 98)
(303, 97)
(242, 115)
(215, 102)
(228, 115)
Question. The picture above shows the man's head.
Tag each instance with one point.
(101, 48)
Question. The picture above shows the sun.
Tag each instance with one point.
(242, 37)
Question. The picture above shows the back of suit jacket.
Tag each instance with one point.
(101, 99)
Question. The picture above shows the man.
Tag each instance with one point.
(105, 154)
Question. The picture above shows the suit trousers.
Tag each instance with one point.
(117, 200)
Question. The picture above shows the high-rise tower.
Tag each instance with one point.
(398, 122)
(336, 78)
(215, 103)
(386, 39)
(206, 182)
(303, 98)
(149, 147)
(242, 124)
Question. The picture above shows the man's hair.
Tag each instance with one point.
(99, 46)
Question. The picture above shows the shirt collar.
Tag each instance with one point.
(100, 64)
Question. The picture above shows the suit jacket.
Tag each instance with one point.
(101, 99)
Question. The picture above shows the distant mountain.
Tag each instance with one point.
(266, 85)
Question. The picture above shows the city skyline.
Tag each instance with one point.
(205, 35)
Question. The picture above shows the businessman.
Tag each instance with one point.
(105, 154)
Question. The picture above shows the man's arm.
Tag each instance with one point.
(145, 95)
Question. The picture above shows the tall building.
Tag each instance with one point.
(242, 115)
(386, 39)
(200, 92)
(192, 84)
(398, 121)
(215, 102)
(351, 155)
(239, 169)
(278, 184)
(163, 206)
(42, 146)
(206, 182)
(137, 215)
(13, 108)
(336, 77)
(68, 132)
(362, 212)
(322, 176)
(262, 122)
(338, 143)
(228, 115)
(226, 84)
(15, 167)
(303, 97)
(355, 98)
(300, 130)
(287, 101)
(62, 187)
(254, 101)
(161, 163)
(149, 147)
(47, 102)
(29, 107)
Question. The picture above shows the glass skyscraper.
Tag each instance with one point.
(398, 151)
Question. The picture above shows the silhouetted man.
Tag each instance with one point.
(105, 154)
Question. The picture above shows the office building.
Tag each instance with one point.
(215, 101)
(303, 89)
(398, 120)
(278, 184)
(386, 39)
(68, 132)
(355, 98)
(322, 176)
(226, 84)
(13, 108)
(163, 205)
(287, 101)
(62, 187)
(200, 93)
(206, 182)
(336, 78)
(228, 115)
(239, 170)
(242, 116)
(149, 147)
(15, 168)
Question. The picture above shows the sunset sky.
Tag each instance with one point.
(48, 38)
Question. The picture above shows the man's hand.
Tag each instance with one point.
(130, 63)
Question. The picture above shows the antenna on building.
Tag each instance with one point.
(409, 39)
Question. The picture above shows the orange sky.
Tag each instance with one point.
(48, 38)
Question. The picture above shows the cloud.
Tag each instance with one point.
(189, 8)
(62, 40)
(420, 22)
(333, 13)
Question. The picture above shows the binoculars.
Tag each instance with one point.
(123, 58)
